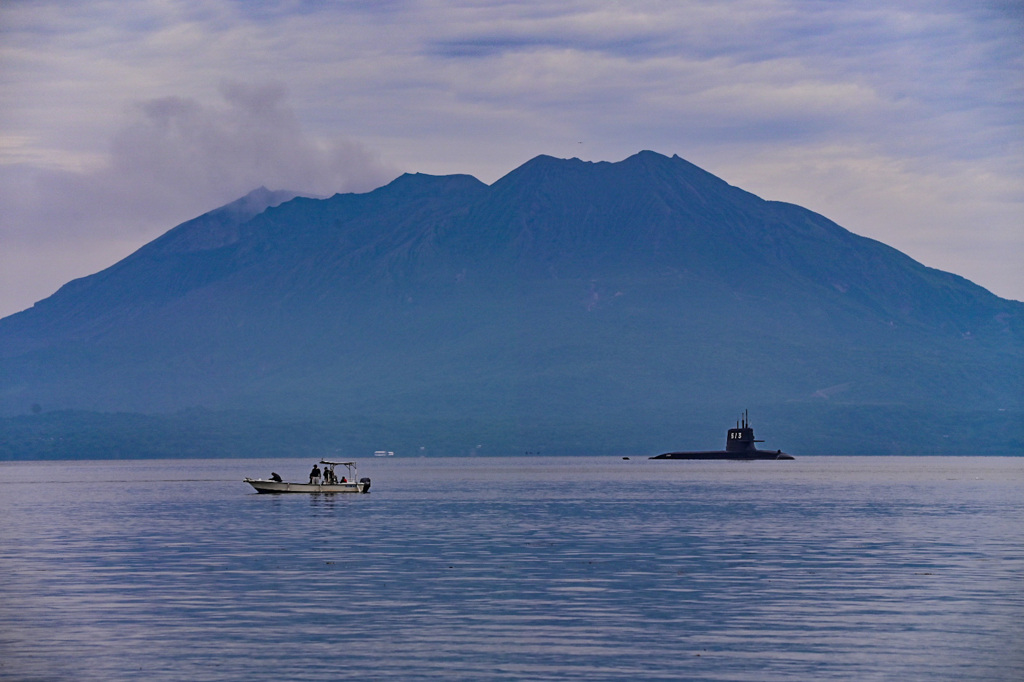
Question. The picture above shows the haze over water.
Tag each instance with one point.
(516, 568)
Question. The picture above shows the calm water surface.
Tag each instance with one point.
(523, 568)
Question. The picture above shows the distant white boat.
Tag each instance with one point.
(328, 482)
(383, 453)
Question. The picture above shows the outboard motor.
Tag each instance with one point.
(366, 486)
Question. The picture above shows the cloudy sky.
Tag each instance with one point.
(902, 120)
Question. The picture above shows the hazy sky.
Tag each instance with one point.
(900, 120)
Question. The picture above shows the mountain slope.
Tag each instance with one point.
(575, 306)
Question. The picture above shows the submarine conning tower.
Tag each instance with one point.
(741, 438)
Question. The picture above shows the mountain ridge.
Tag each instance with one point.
(624, 298)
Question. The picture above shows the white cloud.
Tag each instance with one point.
(175, 156)
(173, 159)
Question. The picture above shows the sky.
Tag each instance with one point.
(901, 120)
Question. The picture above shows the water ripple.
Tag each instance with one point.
(590, 568)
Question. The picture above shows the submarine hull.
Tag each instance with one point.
(739, 445)
(722, 454)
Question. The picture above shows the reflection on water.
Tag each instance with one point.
(541, 568)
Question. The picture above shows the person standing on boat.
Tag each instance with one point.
(314, 475)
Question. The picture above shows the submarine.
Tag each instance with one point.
(739, 445)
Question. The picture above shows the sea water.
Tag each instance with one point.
(847, 568)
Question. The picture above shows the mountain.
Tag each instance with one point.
(570, 307)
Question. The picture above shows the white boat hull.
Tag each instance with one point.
(262, 486)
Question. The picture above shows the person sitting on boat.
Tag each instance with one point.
(314, 475)
(274, 476)
(344, 480)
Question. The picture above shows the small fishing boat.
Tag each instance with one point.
(325, 481)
